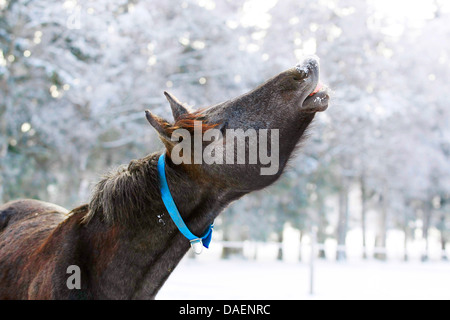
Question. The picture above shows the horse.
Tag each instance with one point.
(123, 243)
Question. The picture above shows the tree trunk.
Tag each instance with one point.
(425, 228)
(406, 231)
(300, 250)
(321, 234)
(443, 238)
(280, 247)
(443, 248)
(380, 240)
(405, 244)
(230, 232)
(322, 224)
(363, 214)
(4, 92)
(343, 221)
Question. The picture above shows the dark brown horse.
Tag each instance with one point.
(123, 242)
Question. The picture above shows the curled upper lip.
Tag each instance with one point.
(310, 67)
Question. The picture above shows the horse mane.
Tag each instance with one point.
(123, 194)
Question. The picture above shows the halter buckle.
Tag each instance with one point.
(197, 245)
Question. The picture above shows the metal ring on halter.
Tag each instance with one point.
(197, 245)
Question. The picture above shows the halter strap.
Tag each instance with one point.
(196, 242)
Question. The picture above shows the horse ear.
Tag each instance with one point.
(178, 110)
(159, 124)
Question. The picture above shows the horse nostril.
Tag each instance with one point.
(300, 77)
(302, 73)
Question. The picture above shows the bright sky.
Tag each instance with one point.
(405, 9)
(391, 16)
(396, 14)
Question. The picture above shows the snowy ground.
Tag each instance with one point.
(244, 279)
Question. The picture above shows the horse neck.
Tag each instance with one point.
(133, 259)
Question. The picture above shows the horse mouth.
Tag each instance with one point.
(317, 99)
(317, 102)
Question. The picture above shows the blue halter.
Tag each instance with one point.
(175, 214)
